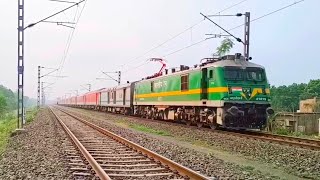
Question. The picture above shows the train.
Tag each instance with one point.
(225, 92)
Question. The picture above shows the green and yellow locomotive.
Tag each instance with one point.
(227, 92)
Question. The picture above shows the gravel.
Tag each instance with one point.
(297, 161)
(36, 153)
(205, 163)
(96, 140)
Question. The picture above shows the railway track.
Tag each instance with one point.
(113, 157)
(280, 139)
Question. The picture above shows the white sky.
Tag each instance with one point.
(111, 34)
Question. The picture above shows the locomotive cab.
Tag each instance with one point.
(244, 102)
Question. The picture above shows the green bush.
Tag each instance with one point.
(282, 131)
(7, 126)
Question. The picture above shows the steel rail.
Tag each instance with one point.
(96, 167)
(182, 170)
(303, 142)
(280, 139)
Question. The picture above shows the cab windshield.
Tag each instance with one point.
(233, 73)
(254, 74)
(248, 74)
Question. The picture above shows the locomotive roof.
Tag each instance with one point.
(116, 87)
(236, 63)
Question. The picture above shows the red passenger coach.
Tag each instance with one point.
(92, 99)
(80, 100)
(73, 100)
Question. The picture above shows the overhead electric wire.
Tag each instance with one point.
(63, 1)
(33, 24)
(238, 39)
(270, 13)
(180, 33)
(71, 37)
(69, 40)
(136, 67)
(147, 61)
(186, 47)
(260, 17)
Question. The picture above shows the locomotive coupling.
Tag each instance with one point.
(234, 111)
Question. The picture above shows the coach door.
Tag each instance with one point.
(204, 84)
(124, 96)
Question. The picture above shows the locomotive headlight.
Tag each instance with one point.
(269, 111)
(264, 91)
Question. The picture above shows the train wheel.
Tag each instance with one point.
(213, 126)
(161, 115)
(188, 122)
(199, 124)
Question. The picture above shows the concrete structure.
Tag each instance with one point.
(310, 105)
(307, 123)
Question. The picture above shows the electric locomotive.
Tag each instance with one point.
(228, 92)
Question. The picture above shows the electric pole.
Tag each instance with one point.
(246, 31)
(119, 77)
(20, 66)
(42, 93)
(38, 97)
(89, 87)
(21, 117)
(117, 80)
(39, 81)
(246, 35)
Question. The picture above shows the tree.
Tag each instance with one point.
(287, 98)
(225, 47)
(3, 106)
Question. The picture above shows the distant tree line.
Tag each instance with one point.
(8, 100)
(287, 98)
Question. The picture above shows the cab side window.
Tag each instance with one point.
(211, 74)
(152, 86)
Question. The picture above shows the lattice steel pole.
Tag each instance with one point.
(39, 75)
(119, 77)
(20, 62)
(42, 94)
(246, 35)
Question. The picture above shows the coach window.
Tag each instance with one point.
(152, 86)
(185, 82)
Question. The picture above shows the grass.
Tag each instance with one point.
(31, 114)
(247, 168)
(146, 129)
(283, 131)
(141, 128)
(9, 123)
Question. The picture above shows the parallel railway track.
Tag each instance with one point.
(113, 157)
(280, 139)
